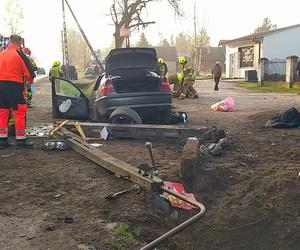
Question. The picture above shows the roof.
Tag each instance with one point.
(252, 37)
(166, 53)
(212, 53)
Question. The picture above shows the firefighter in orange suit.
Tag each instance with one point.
(15, 71)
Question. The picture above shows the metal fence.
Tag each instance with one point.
(276, 70)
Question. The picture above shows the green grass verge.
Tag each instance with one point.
(270, 89)
(123, 237)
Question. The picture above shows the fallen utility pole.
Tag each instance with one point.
(140, 131)
(107, 161)
(133, 174)
(85, 38)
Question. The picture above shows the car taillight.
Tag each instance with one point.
(107, 88)
(165, 86)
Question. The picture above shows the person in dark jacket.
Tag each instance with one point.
(217, 72)
(15, 71)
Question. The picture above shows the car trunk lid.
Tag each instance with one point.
(133, 70)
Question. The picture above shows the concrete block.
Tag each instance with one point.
(189, 158)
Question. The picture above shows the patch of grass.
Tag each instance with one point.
(270, 89)
(123, 237)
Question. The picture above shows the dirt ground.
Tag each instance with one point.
(251, 191)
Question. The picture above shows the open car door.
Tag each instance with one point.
(68, 102)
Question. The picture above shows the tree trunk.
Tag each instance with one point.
(118, 39)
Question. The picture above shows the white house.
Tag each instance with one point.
(243, 53)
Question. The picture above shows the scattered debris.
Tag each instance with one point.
(113, 196)
(226, 105)
(55, 144)
(214, 149)
(175, 202)
(287, 119)
(7, 156)
(178, 117)
(96, 145)
(104, 133)
(50, 228)
(213, 135)
(68, 220)
(40, 130)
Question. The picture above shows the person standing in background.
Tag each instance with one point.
(217, 73)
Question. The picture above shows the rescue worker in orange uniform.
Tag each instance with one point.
(15, 71)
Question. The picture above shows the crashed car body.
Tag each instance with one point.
(130, 87)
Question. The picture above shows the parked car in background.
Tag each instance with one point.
(130, 91)
(41, 71)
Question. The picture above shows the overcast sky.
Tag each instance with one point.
(229, 19)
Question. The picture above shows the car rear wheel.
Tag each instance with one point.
(125, 116)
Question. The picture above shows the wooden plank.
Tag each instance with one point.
(79, 129)
(107, 161)
(141, 131)
(58, 127)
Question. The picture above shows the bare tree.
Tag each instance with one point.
(128, 14)
(14, 16)
(266, 26)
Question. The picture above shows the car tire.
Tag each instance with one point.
(125, 116)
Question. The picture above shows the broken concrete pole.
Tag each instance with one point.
(189, 158)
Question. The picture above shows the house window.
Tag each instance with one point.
(246, 56)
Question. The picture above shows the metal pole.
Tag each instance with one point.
(180, 227)
(62, 47)
(85, 38)
(65, 38)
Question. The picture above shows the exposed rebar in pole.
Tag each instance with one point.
(65, 43)
(85, 38)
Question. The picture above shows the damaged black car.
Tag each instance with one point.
(130, 91)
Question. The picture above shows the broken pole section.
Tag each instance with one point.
(141, 131)
(107, 161)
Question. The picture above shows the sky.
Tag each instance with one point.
(229, 19)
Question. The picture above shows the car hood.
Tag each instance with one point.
(123, 60)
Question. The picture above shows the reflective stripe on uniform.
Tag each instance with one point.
(3, 132)
(20, 137)
(20, 134)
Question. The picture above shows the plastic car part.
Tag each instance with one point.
(125, 116)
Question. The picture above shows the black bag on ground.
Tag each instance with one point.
(288, 119)
(178, 117)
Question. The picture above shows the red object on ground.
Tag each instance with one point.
(175, 202)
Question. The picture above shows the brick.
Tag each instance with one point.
(189, 158)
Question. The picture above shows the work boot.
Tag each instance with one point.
(4, 143)
(196, 96)
(24, 144)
